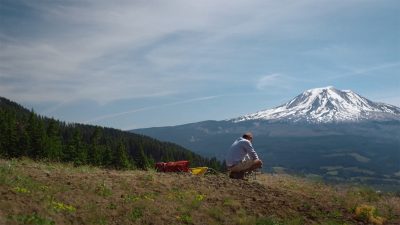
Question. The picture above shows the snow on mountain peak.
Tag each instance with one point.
(326, 105)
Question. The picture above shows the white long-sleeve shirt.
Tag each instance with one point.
(239, 150)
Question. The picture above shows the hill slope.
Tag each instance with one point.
(43, 193)
(24, 133)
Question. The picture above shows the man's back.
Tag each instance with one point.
(238, 151)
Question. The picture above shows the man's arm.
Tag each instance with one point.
(250, 150)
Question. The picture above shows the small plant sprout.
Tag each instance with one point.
(59, 206)
(21, 190)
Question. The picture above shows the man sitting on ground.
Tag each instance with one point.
(242, 157)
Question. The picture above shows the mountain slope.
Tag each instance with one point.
(327, 105)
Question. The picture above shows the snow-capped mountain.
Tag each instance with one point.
(327, 105)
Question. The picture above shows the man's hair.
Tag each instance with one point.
(247, 135)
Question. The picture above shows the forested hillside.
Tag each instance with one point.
(24, 133)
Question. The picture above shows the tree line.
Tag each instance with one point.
(23, 133)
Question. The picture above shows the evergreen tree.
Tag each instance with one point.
(95, 149)
(121, 160)
(2, 133)
(166, 157)
(76, 151)
(151, 161)
(53, 144)
(224, 167)
(24, 143)
(37, 136)
(140, 158)
(12, 137)
(107, 156)
(215, 164)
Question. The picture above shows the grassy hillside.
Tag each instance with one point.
(52, 193)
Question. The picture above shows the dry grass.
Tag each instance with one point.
(43, 193)
(349, 198)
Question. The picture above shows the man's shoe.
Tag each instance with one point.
(236, 175)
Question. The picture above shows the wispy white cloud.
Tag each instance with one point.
(105, 50)
(365, 70)
(113, 115)
(68, 53)
(274, 80)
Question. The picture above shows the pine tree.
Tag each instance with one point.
(37, 136)
(12, 137)
(215, 164)
(2, 133)
(224, 167)
(95, 149)
(121, 160)
(76, 151)
(53, 144)
(107, 156)
(151, 161)
(24, 143)
(140, 158)
(167, 156)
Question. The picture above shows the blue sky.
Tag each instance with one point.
(134, 64)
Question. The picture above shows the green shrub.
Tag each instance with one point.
(186, 218)
(136, 213)
(103, 190)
